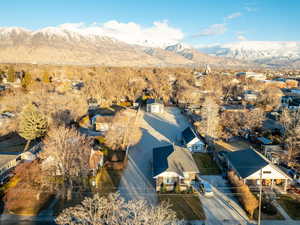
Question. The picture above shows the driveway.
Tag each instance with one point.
(158, 130)
(222, 208)
(137, 183)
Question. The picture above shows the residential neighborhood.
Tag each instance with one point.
(150, 112)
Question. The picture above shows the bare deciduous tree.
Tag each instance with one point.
(233, 123)
(270, 98)
(291, 124)
(210, 126)
(114, 210)
(66, 154)
(124, 130)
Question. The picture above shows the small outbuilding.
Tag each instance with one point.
(192, 141)
(154, 105)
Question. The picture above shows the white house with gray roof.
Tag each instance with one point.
(191, 140)
(172, 166)
(251, 166)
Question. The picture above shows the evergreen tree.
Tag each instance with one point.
(33, 124)
(11, 74)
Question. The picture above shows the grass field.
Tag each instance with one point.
(291, 206)
(187, 207)
(206, 164)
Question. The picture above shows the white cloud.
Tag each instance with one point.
(159, 34)
(213, 30)
(233, 16)
(241, 38)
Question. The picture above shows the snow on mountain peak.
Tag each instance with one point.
(255, 50)
(160, 34)
(10, 30)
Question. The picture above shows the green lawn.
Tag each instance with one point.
(206, 164)
(268, 216)
(291, 206)
(187, 207)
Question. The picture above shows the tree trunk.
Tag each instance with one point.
(38, 196)
(69, 190)
(27, 145)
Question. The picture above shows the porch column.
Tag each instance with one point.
(285, 185)
(272, 183)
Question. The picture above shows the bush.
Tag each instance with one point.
(177, 188)
(246, 198)
(163, 188)
(268, 208)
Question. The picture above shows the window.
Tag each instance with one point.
(267, 172)
(168, 180)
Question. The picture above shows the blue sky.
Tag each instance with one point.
(200, 21)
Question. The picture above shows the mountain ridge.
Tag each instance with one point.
(278, 53)
(55, 45)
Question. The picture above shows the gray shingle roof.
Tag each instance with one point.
(188, 135)
(246, 162)
(173, 159)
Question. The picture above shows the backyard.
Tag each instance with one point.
(187, 207)
(206, 164)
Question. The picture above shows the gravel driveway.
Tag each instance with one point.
(158, 130)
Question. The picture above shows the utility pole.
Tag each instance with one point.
(260, 196)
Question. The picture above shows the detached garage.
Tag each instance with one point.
(154, 106)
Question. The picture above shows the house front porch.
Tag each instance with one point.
(279, 184)
(171, 184)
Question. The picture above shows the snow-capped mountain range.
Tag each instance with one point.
(69, 45)
(63, 45)
(257, 51)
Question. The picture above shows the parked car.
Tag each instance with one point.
(206, 189)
